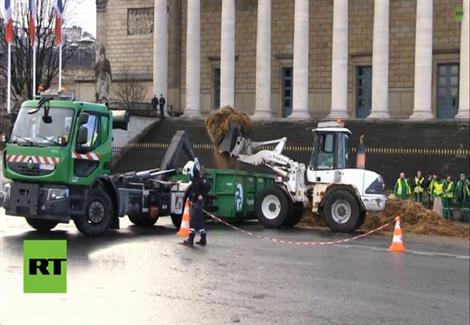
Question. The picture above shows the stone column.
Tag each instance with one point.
(101, 7)
(464, 106)
(423, 61)
(380, 60)
(300, 95)
(193, 60)
(263, 61)
(339, 62)
(160, 49)
(227, 54)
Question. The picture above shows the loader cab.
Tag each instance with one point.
(330, 147)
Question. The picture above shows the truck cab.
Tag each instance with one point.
(58, 153)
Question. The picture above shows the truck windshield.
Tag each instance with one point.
(30, 129)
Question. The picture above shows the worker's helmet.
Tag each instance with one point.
(192, 168)
(188, 169)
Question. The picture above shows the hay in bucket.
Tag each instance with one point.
(218, 123)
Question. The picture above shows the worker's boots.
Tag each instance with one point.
(202, 241)
(190, 241)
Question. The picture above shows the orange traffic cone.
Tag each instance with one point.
(397, 245)
(184, 228)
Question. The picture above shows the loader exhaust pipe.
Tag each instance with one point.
(361, 154)
(120, 120)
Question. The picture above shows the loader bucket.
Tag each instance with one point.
(229, 140)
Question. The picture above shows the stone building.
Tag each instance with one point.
(294, 58)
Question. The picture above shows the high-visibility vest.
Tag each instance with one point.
(431, 186)
(438, 188)
(449, 190)
(419, 185)
(400, 188)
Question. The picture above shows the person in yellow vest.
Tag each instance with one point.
(430, 186)
(402, 188)
(448, 198)
(437, 189)
(418, 187)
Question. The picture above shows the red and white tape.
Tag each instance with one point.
(34, 159)
(86, 156)
(298, 242)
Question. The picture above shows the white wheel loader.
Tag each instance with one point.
(341, 195)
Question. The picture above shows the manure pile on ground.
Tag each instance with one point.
(415, 219)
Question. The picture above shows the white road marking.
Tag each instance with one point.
(411, 251)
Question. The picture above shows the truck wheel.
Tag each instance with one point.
(272, 207)
(143, 219)
(176, 219)
(98, 214)
(341, 211)
(41, 225)
(296, 212)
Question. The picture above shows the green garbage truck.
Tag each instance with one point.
(58, 162)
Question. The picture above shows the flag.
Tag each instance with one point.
(8, 23)
(59, 11)
(32, 22)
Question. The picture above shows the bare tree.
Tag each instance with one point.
(47, 54)
(129, 91)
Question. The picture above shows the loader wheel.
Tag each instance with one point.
(296, 212)
(272, 207)
(143, 219)
(41, 225)
(341, 211)
(98, 216)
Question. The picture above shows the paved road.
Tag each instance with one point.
(142, 276)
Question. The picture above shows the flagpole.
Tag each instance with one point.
(9, 80)
(34, 70)
(60, 66)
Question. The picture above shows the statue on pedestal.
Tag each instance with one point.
(103, 78)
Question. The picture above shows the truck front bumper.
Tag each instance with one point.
(374, 202)
(37, 201)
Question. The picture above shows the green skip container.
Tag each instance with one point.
(235, 191)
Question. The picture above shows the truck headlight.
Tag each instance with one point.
(377, 187)
(6, 190)
(57, 194)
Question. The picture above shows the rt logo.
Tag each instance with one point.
(44, 266)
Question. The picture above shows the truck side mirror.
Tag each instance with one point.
(82, 135)
(83, 118)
